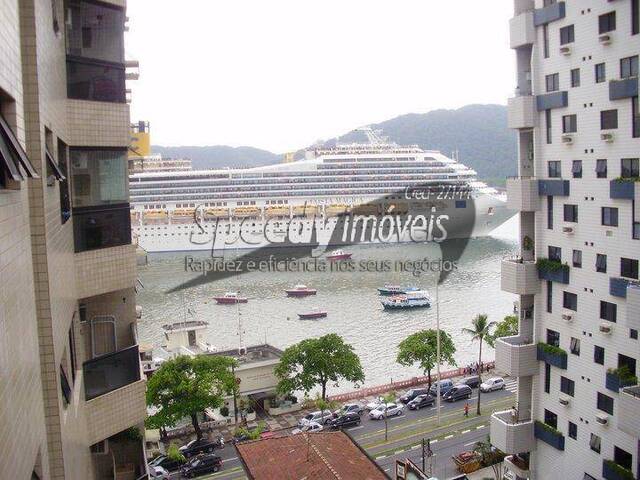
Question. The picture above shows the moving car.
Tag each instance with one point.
(349, 408)
(413, 393)
(445, 386)
(320, 417)
(310, 427)
(165, 463)
(201, 465)
(458, 392)
(391, 410)
(473, 381)
(495, 383)
(204, 445)
(349, 419)
(420, 401)
(158, 473)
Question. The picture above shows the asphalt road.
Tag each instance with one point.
(405, 433)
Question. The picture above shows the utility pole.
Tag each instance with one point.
(438, 345)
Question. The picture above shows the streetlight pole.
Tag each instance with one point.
(438, 346)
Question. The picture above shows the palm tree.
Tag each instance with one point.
(480, 331)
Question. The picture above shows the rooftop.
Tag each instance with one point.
(254, 353)
(317, 456)
(188, 325)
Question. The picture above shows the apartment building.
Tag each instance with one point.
(575, 113)
(71, 390)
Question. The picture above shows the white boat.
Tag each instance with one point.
(411, 299)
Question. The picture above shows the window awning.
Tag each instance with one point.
(54, 166)
(12, 156)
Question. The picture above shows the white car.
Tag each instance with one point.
(374, 404)
(158, 473)
(311, 427)
(391, 410)
(319, 417)
(495, 383)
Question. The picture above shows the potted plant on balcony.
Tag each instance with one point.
(620, 377)
(612, 471)
(553, 355)
(552, 270)
(549, 435)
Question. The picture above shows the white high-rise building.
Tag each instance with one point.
(575, 111)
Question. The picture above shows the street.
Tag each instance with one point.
(455, 433)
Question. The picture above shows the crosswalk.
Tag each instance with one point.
(511, 385)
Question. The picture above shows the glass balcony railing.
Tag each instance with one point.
(112, 371)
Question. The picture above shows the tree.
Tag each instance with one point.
(422, 348)
(490, 456)
(480, 330)
(388, 398)
(317, 361)
(506, 328)
(185, 386)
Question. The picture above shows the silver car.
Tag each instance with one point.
(321, 417)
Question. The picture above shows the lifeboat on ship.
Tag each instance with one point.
(213, 213)
(277, 211)
(244, 212)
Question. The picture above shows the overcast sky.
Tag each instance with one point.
(281, 74)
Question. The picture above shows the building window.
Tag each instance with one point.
(547, 115)
(65, 387)
(575, 77)
(629, 67)
(72, 352)
(577, 258)
(635, 17)
(601, 74)
(569, 123)
(573, 430)
(576, 169)
(607, 22)
(550, 418)
(12, 157)
(605, 403)
(622, 458)
(610, 216)
(549, 296)
(567, 35)
(598, 355)
(601, 263)
(629, 168)
(601, 168)
(554, 253)
(629, 268)
(570, 301)
(633, 334)
(99, 177)
(595, 443)
(608, 119)
(553, 337)
(63, 165)
(554, 169)
(608, 311)
(553, 82)
(545, 40)
(89, 80)
(550, 213)
(567, 386)
(635, 118)
(575, 346)
(547, 378)
(95, 31)
(571, 213)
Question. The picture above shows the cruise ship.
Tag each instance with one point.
(182, 210)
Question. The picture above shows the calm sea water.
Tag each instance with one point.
(351, 300)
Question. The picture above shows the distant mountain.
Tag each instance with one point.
(220, 156)
(478, 132)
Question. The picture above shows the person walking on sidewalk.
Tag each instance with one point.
(466, 409)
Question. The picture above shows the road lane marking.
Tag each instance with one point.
(398, 452)
(469, 444)
(355, 428)
(465, 431)
(448, 437)
(229, 459)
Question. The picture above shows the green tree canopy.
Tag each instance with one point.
(506, 328)
(185, 386)
(480, 330)
(317, 361)
(421, 348)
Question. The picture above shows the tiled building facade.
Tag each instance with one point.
(71, 390)
(576, 357)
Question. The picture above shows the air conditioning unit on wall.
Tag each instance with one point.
(605, 328)
(605, 38)
(602, 418)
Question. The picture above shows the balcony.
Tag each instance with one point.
(548, 14)
(632, 317)
(628, 408)
(552, 100)
(521, 112)
(549, 435)
(621, 89)
(618, 287)
(621, 189)
(519, 277)
(522, 31)
(105, 270)
(114, 393)
(510, 435)
(516, 357)
(522, 194)
(552, 271)
(552, 355)
(517, 465)
(615, 381)
(612, 471)
(554, 188)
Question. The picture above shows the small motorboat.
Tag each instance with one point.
(230, 298)
(411, 299)
(300, 291)
(390, 290)
(339, 255)
(312, 315)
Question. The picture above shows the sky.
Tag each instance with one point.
(282, 74)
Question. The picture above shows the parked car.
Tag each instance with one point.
(413, 393)
(321, 417)
(204, 445)
(445, 386)
(458, 392)
(425, 400)
(372, 405)
(159, 473)
(491, 384)
(473, 381)
(166, 463)
(391, 410)
(310, 427)
(349, 419)
(200, 465)
(349, 408)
